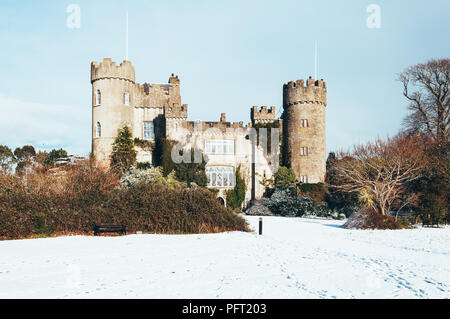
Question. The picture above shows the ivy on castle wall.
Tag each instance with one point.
(144, 144)
(184, 172)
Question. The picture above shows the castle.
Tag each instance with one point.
(156, 110)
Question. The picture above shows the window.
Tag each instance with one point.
(220, 176)
(149, 132)
(304, 179)
(304, 151)
(98, 97)
(224, 147)
(126, 98)
(304, 123)
(98, 130)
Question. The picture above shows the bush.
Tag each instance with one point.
(154, 175)
(236, 196)
(184, 172)
(79, 196)
(318, 192)
(321, 209)
(368, 218)
(285, 202)
(284, 178)
(434, 197)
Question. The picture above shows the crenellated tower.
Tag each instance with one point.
(304, 137)
(263, 115)
(113, 89)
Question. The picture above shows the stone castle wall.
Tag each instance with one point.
(308, 103)
(161, 104)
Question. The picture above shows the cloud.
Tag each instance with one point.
(45, 126)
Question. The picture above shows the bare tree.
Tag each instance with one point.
(380, 171)
(426, 86)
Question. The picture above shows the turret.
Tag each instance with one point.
(263, 114)
(113, 98)
(107, 69)
(304, 135)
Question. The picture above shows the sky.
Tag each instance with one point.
(229, 55)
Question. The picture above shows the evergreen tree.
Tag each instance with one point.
(236, 196)
(123, 154)
(284, 178)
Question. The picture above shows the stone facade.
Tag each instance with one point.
(155, 110)
(304, 126)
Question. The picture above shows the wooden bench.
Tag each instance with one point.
(109, 228)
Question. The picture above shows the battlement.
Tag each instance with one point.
(263, 114)
(219, 126)
(296, 92)
(174, 79)
(107, 69)
(176, 111)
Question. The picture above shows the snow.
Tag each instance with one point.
(295, 258)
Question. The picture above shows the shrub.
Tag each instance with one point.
(79, 196)
(162, 155)
(368, 218)
(192, 173)
(184, 172)
(154, 175)
(284, 177)
(318, 192)
(285, 202)
(236, 196)
(434, 197)
(321, 209)
(145, 165)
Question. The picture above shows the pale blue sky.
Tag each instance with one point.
(229, 55)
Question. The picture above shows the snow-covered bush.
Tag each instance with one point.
(153, 175)
(259, 208)
(368, 218)
(322, 210)
(285, 202)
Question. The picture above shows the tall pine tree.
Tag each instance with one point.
(123, 154)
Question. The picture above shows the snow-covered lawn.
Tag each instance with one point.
(295, 258)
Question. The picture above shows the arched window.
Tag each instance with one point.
(99, 130)
(126, 98)
(98, 97)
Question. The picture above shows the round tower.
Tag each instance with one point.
(113, 92)
(304, 133)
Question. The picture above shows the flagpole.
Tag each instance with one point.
(316, 62)
(126, 55)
